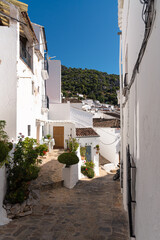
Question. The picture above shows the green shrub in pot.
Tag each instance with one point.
(68, 159)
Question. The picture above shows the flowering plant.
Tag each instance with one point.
(88, 169)
(23, 168)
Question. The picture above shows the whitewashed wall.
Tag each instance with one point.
(141, 120)
(88, 101)
(25, 101)
(18, 107)
(54, 81)
(77, 105)
(8, 76)
(69, 130)
(59, 111)
(90, 141)
(100, 114)
(81, 118)
(109, 143)
(8, 91)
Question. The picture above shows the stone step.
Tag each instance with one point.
(46, 185)
(51, 185)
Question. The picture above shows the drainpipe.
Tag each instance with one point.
(121, 109)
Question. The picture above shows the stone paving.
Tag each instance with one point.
(92, 210)
(50, 175)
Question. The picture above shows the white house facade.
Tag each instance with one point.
(23, 71)
(139, 23)
(23, 75)
(54, 81)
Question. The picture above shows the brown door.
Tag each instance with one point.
(58, 134)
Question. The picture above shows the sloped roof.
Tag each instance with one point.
(29, 24)
(23, 6)
(86, 132)
(106, 123)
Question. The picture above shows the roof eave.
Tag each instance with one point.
(29, 24)
(87, 136)
(44, 34)
(23, 6)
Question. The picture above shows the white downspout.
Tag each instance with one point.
(121, 86)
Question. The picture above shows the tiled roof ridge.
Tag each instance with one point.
(84, 132)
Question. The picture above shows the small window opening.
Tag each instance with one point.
(32, 88)
(29, 130)
(42, 131)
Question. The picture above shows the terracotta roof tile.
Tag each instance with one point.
(86, 132)
(110, 123)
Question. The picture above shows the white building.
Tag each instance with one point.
(88, 102)
(23, 71)
(23, 74)
(54, 81)
(109, 141)
(139, 22)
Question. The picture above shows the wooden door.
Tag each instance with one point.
(58, 134)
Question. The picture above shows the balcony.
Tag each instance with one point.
(45, 69)
(26, 57)
(45, 103)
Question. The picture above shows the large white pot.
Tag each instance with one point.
(70, 176)
(96, 164)
(3, 216)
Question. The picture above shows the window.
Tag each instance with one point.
(42, 131)
(25, 52)
(29, 130)
(32, 88)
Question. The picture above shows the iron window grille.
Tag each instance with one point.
(131, 180)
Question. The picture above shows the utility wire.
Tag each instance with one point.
(149, 12)
(15, 19)
(110, 143)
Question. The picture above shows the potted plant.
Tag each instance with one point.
(88, 169)
(72, 145)
(97, 148)
(48, 136)
(83, 153)
(70, 171)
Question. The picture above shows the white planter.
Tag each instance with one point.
(3, 216)
(70, 176)
(96, 164)
(79, 163)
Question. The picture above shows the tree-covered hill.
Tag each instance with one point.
(91, 83)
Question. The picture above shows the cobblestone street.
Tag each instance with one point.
(92, 210)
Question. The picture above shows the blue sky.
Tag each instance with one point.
(80, 33)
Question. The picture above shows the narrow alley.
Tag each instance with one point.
(92, 210)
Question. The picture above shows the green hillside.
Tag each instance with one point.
(91, 83)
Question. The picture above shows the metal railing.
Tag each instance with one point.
(24, 54)
(131, 178)
(45, 65)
